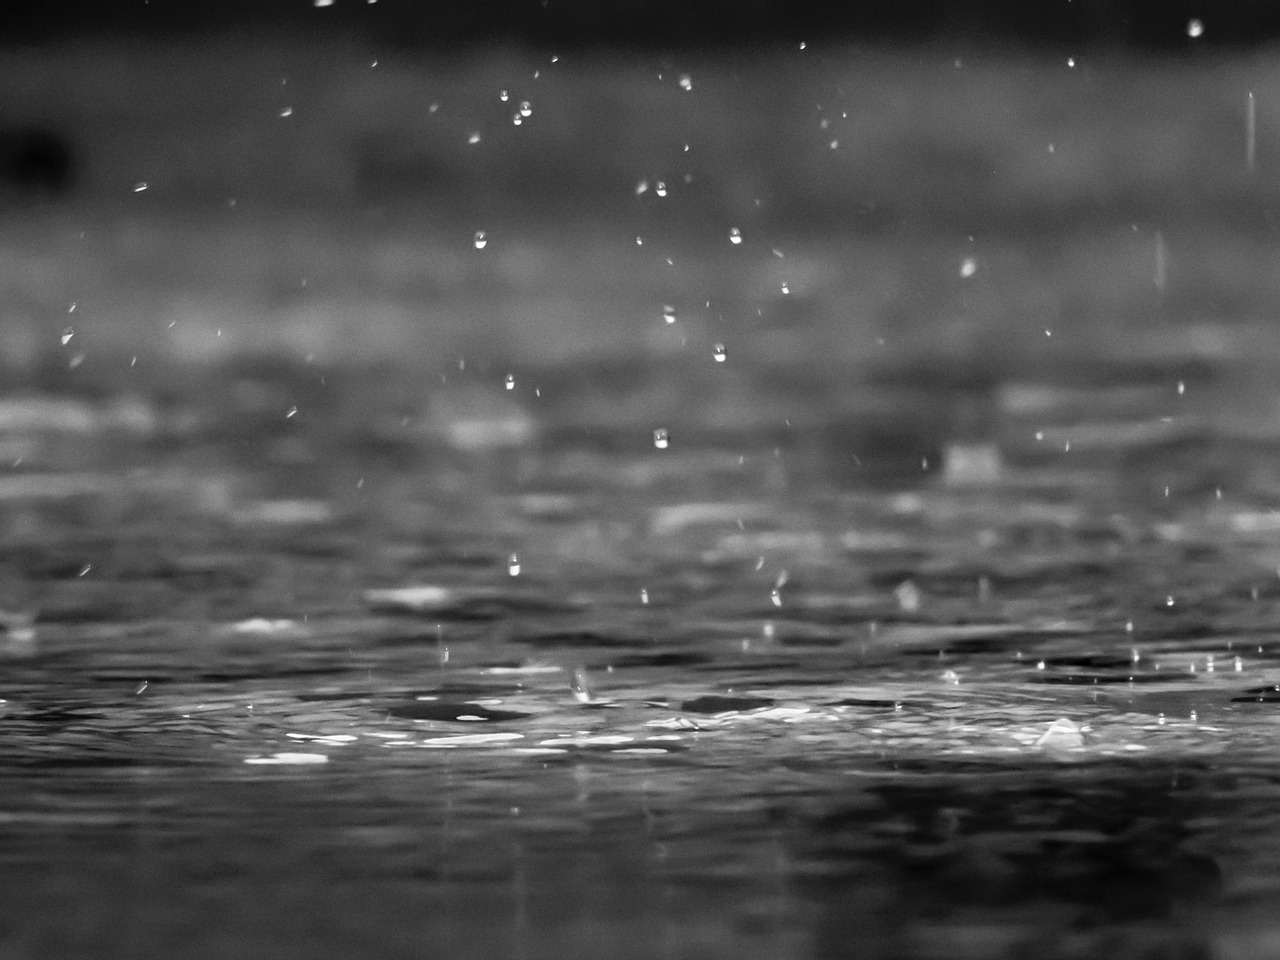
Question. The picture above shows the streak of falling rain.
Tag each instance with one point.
(1250, 132)
(1161, 266)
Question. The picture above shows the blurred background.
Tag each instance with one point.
(731, 204)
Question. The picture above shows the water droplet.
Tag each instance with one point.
(644, 596)
(802, 44)
(503, 96)
(481, 240)
(140, 186)
(474, 138)
(718, 353)
(516, 119)
(641, 187)
(286, 112)
(1182, 388)
(513, 565)
(908, 596)
(951, 677)
(735, 236)
(775, 595)
(660, 438)
(1239, 664)
(67, 334)
(1194, 28)
(1168, 601)
(292, 412)
(1040, 664)
(968, 267)
(140, 688)
(526, 108)
(323, 3)
(1071, 62)
(833, 145)
(686, 82)
(581, 685)
(510, 381)
(669, 313)
(72, 308)
(660, 188)
(786, 288)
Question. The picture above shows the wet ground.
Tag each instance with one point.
(485, 678)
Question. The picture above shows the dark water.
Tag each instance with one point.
(974, 668)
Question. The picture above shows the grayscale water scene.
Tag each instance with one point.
(470, 497)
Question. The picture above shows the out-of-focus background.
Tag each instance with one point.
(529, 185)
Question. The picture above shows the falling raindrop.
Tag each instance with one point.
(581, 685)
(718, 353)
(660, 438)
(510, 381)
(516, 119)
(67, 334)
(1194, 28)
(669, 313)
(735, 236)
(526, 108)
(140, 186)
(503, 96)
(1071, 62)
(644, 595)
(1182, 388)
(292, 412)
(474, 138)
(286, 112)
(686, 82)
(908, 596)
(968, 267)
(1250, 132)
(641, 187)
(481, 240)
(660, 188)
(785, 287)
(513, 565)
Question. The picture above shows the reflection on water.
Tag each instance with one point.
(482, 678)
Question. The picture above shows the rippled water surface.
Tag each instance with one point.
(485, 677)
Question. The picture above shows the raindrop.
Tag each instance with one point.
(785, 287)
(1168, 601)
(474, 138)
(67, 334)
(581, 685)
(1194, 28)
(481, 240)
(1071, 62)
(660, 438)
(286, 112)
(293, 412)
(526, 108)
(951, 677)
(513, 565)
(775, 595)
(669, 313)
(735, 236)
(644, 596)
(140, 186)
(323, 3)
(503, 96)
(1239, 664)
(641, 187)
(660, 188)
(968, 267)
(516, 119)
(833, 145)
(718, 353)
(908, 596)
(1250, 132)
(1040, 665)
(72, 308)
(510, 381)
(1182, 388)
(686, 82)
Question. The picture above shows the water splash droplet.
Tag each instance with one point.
(510, 381)
(67, 334)
(581, 685)
(513, 565)
(661, 440)
(503, 96)
(481, 240)
(526, 108)
(686, 82)
(669, 313)
(718, 353)
(644, 596)
(660, 188)
(735, 236)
